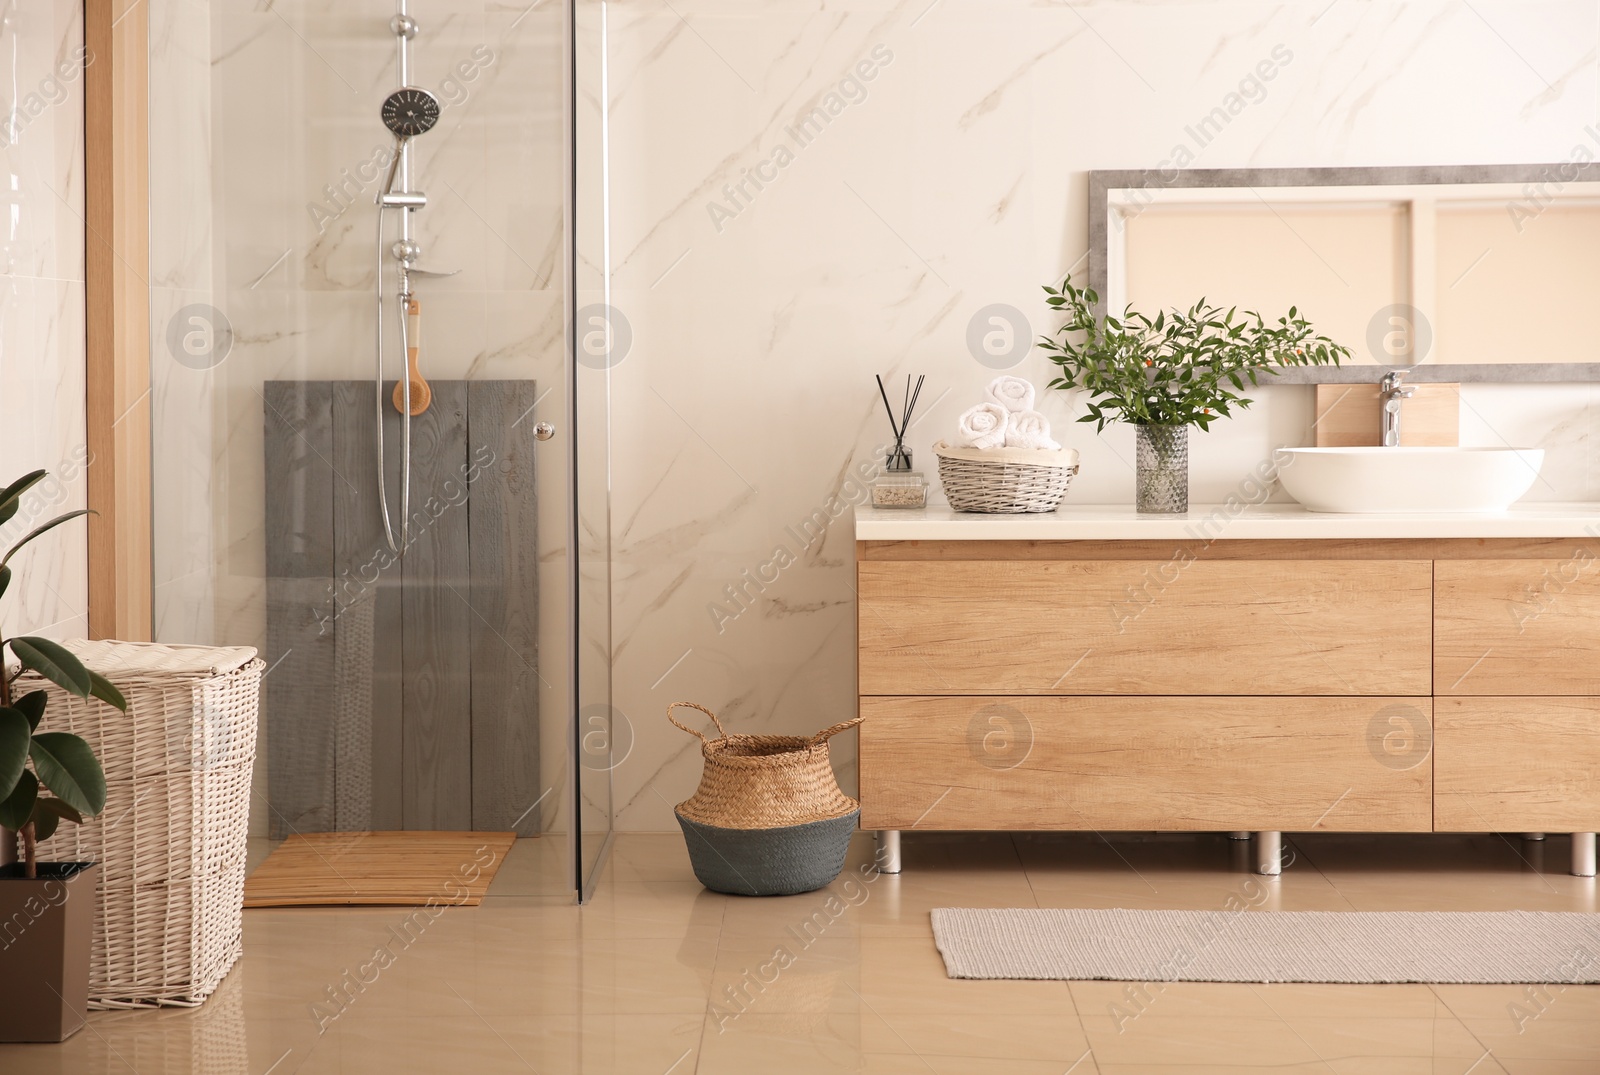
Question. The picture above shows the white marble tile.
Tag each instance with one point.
(42, 427)
(42, 310)
(1558, 418)
(181, 130)
(182, 427)
(42, 64)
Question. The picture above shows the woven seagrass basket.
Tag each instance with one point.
(768, 818)
(1005, 481)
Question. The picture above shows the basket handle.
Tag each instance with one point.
(828, 733)
(695, 705)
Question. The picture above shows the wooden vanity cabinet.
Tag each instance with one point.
(1447, 685)
(1517, 626)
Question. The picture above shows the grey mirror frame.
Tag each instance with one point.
(1560, 173)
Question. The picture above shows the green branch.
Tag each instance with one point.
(1182, 367)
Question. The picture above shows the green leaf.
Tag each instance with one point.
(5, 579)
(32, 705)
(11, 495)
(57, 808)
(54, 662)
(17, 808)
(67, 766)
(15, 734)
(44, 822)
(101, 688)
(36, 531)
(21, 485)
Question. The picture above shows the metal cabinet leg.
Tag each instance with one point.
(889, 850)
(1583, 854)
(1269, 853)
(1534, 837)
(1242, 834)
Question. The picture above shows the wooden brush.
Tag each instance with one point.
(421, 394)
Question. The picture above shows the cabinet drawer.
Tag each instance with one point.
(1141, 627)
(1173, 764)
(1516, 764)
(1517, 627)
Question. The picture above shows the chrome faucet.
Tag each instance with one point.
(1390, 393)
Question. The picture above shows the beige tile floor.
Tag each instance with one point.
(653, 977)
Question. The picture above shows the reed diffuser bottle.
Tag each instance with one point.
(900, 485)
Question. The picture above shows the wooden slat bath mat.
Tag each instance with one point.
(404, 868)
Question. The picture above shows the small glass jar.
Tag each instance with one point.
(900, 489)
(900, 486)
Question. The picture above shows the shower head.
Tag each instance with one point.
(407, 112)
(410, 111)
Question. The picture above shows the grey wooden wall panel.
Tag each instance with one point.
(409, 693)
(436, 700)
(503, 525)
(300, 640)
(388, 787)
(367, 632)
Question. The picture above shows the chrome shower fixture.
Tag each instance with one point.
(410, 111)
(407, 112)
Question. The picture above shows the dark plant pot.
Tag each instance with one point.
(46, 925)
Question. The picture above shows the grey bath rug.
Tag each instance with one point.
(1270, 946)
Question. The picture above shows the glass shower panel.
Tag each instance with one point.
(601, 339)
(435, 689)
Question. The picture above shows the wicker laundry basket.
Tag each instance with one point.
(768, 818)
(172, 839)
(1005, 481)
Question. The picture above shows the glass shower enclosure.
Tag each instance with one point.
(380, 455)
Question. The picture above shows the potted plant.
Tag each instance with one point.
(1164, 374)
(46, 908)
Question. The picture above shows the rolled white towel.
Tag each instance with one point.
(1029, 429)
(1012, 393)
(984, 426)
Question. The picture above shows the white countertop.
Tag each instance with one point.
(1111, 522)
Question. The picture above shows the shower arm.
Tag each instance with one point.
(405, 199)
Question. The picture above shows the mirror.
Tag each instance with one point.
(1473, 273)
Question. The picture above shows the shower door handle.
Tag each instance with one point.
(544, 431)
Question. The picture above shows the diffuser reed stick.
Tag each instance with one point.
(899, 455)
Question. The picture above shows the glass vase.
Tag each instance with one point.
(1162, 463)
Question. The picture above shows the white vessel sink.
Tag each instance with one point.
(1399, 480)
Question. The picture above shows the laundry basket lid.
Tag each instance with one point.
(109, 657)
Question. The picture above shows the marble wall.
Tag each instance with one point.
(768, 268)
(42, 61)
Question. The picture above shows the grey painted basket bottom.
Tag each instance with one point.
(768, 862)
